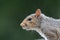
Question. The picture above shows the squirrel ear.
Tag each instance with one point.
(38, 12)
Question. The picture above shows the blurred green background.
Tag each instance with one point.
(12, 12)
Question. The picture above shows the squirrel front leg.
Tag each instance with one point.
(58, 31)
(52, 35)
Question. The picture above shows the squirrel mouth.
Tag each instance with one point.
(25, 27)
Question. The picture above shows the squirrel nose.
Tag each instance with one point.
(22, 24)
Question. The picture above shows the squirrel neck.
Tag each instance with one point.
(47, 23)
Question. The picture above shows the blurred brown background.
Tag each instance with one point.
(12, 12)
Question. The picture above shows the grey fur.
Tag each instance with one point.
(47, 27)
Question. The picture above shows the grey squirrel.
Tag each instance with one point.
(47, 27)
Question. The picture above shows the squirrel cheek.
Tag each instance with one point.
(32, 24)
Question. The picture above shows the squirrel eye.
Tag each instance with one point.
(29, 19)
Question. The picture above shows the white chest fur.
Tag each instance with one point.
(41, 33)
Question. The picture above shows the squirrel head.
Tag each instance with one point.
(32, 21)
